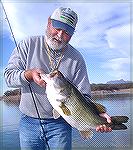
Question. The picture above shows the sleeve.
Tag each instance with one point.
(14, 72)
(81, 78)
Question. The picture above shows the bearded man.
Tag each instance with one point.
(37, 54)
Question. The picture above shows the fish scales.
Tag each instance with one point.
(81, 109)
(68, 102)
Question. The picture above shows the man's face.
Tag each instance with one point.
(56, 38)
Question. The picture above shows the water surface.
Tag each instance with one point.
(116, 140)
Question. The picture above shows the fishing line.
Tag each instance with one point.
(9, 24)
(31, 91)
(33, 95)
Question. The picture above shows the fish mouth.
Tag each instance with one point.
(55, 73)
(52, 74)
(45, 76)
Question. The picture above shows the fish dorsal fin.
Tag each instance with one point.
(56, 115)
(86, 134)
(65, 110)
(100, 108)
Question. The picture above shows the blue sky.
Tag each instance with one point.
(102, 35)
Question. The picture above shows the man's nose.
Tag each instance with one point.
(60, 33)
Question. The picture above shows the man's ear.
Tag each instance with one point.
(49, 21)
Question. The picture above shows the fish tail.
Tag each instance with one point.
(117, 122)
(118, 126)
(119, 119)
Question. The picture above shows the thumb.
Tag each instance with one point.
(105, 115)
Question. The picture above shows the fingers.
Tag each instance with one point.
(34, 75)
(37, 78)
(105, 115)
(39, 81)
(103, 128)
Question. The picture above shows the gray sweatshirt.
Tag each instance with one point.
(31, 53)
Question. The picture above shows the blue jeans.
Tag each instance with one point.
(58, 134)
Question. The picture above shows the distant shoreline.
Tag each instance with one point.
(107, 92)
(10, 98)
(100, 93)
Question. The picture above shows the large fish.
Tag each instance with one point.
(68, 102)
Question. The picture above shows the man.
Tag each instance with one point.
(38, 129)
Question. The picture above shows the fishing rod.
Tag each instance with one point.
(9, 24)
(31, 91)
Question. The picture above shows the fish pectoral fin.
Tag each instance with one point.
(65, 110)
(100, 108)
(56, 115)
(86, 134)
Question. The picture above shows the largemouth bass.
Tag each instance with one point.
(68, 102)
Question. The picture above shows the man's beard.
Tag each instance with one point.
(55, 42)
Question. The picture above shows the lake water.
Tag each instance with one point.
(116, 140)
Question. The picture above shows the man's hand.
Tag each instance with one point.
(104, 128)
(34, 75)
